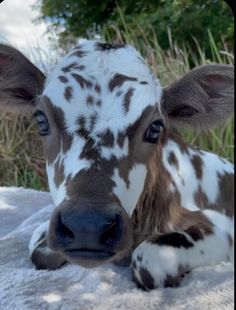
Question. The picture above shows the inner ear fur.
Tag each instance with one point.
(20, 81)
(201, 99)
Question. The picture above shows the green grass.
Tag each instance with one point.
(21, 156)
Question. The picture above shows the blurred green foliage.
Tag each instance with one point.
(188, 20)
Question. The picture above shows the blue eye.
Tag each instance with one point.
(43, 124)
(153, 131)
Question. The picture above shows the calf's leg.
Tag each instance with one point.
(162, 260)
(41, 255)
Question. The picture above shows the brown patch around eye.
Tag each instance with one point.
(59, 136)
(118, 80)
(127, 99)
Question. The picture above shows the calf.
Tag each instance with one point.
(126, 188)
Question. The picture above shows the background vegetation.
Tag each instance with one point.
(161, 31)
(189, 20)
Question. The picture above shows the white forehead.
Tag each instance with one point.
(99, 67)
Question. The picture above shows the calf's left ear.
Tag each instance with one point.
(20, 81)
(201, 99)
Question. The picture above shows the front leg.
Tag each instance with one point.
(163, 260)
(40, 254)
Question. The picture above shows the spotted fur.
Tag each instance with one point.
(174, 203)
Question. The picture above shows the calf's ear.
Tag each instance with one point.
(201, 99)
(20, 81)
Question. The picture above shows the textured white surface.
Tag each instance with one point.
(73, 287)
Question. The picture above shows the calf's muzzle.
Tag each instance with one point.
(90, 233)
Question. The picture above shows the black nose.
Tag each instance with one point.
(85, 233)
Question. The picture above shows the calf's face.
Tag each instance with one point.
(93, 115)
(101, 117)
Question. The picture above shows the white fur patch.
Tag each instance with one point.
(185, 176)
(129, 195)
(36, 236)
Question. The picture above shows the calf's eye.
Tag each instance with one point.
(43, 124)
(153, 132)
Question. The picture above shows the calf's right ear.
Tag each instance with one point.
(20, 81)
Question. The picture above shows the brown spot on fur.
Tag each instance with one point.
(68, 93)
(108, 46)
(230, 239)
(194, 223)
(73, 66)
(82, 81)
(119, 93)
(195, 232)
(93, 120)
(225, 198)
(172, 239)
(121, 139)
(63, 79)
(81, 121)
(146, 278)
(173, 160)
(118, 80)
(201, 199)
(183, 146)
(79, 53)
(197, 164)
(90, 100)
(107, 138)
(99, 103)
(173, 281)
(59, 173)
(143, 83)
(68, 68)
(127, 99)
(97, 88)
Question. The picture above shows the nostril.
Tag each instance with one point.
(64, 231)
(111, 232)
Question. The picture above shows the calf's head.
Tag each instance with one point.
(103, 119)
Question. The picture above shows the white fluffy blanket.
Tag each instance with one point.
(73, 287)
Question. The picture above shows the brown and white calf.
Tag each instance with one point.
(126, 188)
